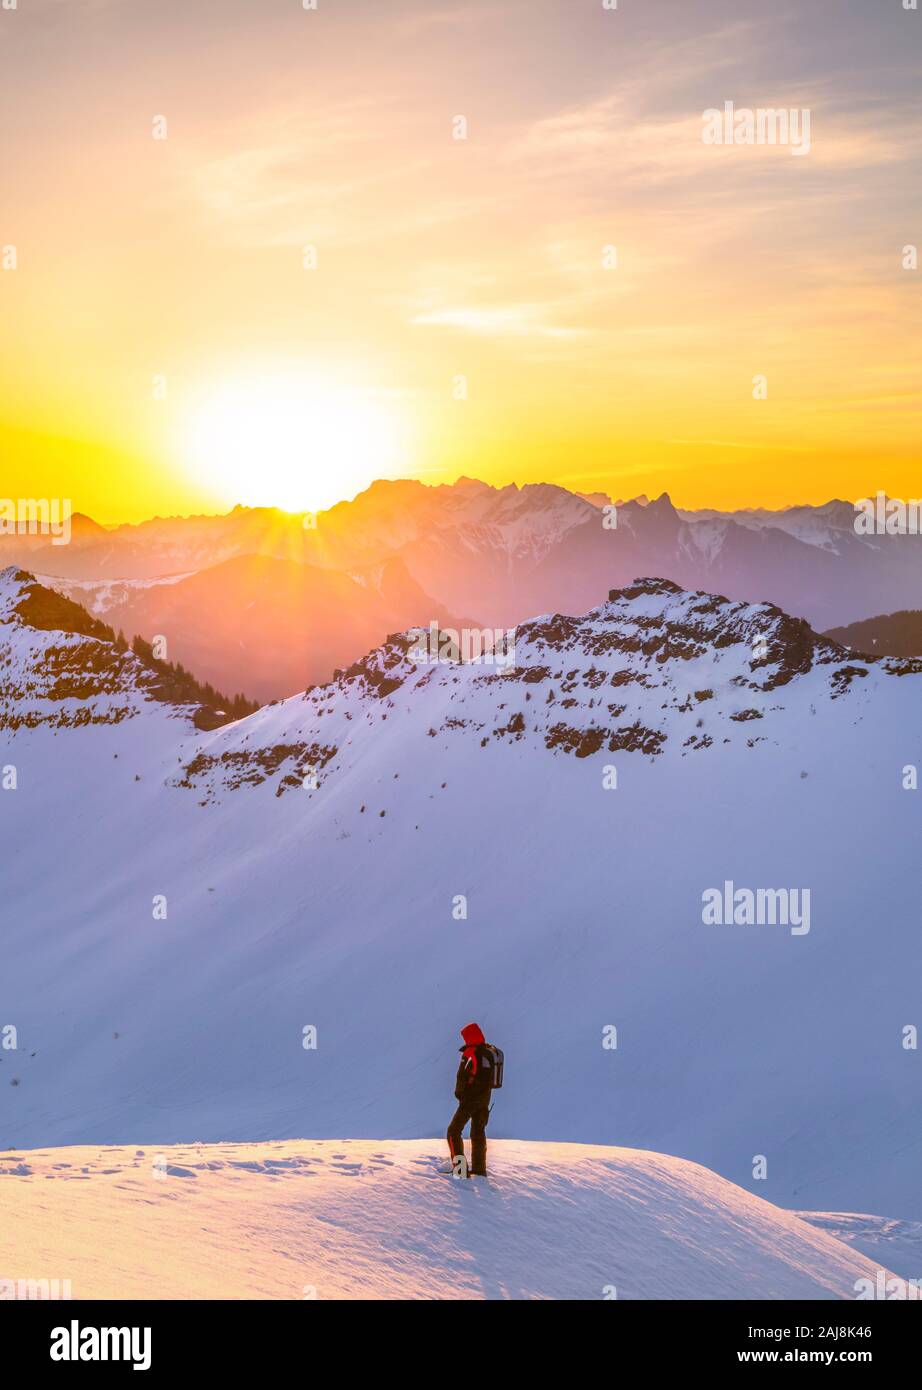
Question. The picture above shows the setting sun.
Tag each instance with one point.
(290, 440)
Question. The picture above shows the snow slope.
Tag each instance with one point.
(896, 1244)
(349, 1219)
(745, 748)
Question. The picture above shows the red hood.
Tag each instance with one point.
(472, 1035)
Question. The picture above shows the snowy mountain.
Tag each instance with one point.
(532, 844)
(375, 1219)
(499, 555)
(808, 561)
(828, 527)
(517, 523)
(654, 666)
(61, 670)
(504, 554)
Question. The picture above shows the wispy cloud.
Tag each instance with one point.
(497, 321)
(733, 444)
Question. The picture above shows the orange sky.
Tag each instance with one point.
(164, 348)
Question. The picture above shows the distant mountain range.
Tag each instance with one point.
(258, 600)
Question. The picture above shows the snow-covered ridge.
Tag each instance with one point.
(56, 668)
(558, 1221)
(655, 669)
(59, 668)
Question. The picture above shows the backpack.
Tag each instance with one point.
(495, 1059)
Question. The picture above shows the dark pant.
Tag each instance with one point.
(478, 1113)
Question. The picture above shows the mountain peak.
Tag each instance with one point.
(645, 586)
(655, 669)
(466, 484)
(663, 503)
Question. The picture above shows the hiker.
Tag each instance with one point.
(480, 1072)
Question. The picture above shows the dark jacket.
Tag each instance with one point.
(474, 1080)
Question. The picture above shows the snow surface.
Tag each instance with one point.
(350, 1219)
(333, 907)
(897, 1244)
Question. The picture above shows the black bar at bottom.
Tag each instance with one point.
(240, 1339)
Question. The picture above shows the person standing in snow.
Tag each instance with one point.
(479, 1071)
